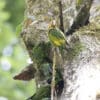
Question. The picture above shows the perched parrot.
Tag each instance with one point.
(58, 39)
(56, 36)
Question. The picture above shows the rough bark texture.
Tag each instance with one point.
(82, 64)
(82, 74)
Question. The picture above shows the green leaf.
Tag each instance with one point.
(19, 29)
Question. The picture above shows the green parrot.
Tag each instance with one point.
(56, 36)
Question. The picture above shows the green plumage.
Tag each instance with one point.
(56, 37)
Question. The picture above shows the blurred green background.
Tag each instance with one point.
(13, 57)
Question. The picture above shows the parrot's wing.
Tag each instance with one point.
(61, 33)
(57, 33)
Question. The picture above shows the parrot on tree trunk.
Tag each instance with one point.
(56, 36)
(57, 39)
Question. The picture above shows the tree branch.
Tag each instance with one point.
(82, 17)
(61, 16)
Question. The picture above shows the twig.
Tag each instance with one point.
(53, 75)
(61, 16)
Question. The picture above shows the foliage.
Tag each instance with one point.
(16, 8)
(42, 93)
(12, 56)
(41, 52)
(18, 29)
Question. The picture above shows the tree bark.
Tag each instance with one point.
(81, 66)
(82, 74)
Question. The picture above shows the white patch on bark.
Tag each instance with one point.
(82, 75)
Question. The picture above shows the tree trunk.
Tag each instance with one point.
(81, 66)
(82, 74)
